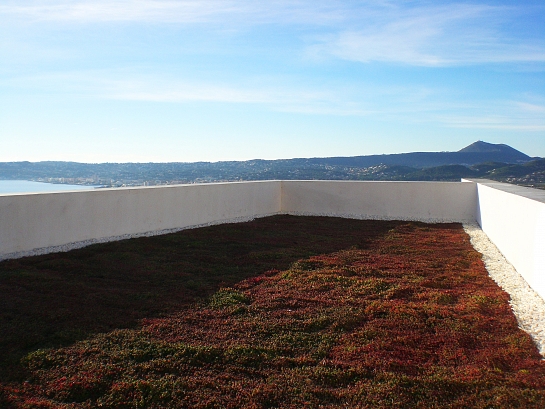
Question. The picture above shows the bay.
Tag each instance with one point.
(27, 186)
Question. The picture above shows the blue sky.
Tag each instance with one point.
(209, 80)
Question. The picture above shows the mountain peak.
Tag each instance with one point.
(482, 147)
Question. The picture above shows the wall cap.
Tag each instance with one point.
(527, 192)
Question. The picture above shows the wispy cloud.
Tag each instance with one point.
(128, 85)
(520, 116)
(182, 92)
(120, 10)
(497, 123)
(175, 11)
(276, 93)
(531, 108)
(409, 104)
(456, 34)
(367, 31)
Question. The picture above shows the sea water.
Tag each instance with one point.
(26, 186)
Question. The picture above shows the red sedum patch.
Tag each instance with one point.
(395, 314)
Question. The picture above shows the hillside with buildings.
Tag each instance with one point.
(478, 160)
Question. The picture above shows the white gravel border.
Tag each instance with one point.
(527, 305)
(358, 216)
(84, 243)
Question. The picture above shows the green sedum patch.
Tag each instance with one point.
(228, 297)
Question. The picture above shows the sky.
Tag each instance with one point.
(212, 80)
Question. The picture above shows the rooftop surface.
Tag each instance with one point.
(528, 192)
(282, 311)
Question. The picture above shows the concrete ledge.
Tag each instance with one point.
(527, 192)
(513, 217)
(44, 222)
(422, 201)
(34, 222)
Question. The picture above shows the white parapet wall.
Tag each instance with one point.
(513, 218)
(425, 201)
(43, 222)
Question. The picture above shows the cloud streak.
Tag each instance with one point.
(409, 104)
(120, 10)
(365, 32)
(175, 11)
(458, 34)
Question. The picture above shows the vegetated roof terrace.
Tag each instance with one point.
(282, 311)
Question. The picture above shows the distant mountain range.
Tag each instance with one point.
(478, 160)
(530, 174)
(477, 152)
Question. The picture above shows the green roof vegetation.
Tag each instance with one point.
(280, 312)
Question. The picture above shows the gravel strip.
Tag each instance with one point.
(358, 216)
(527, 305)
(85, 243)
